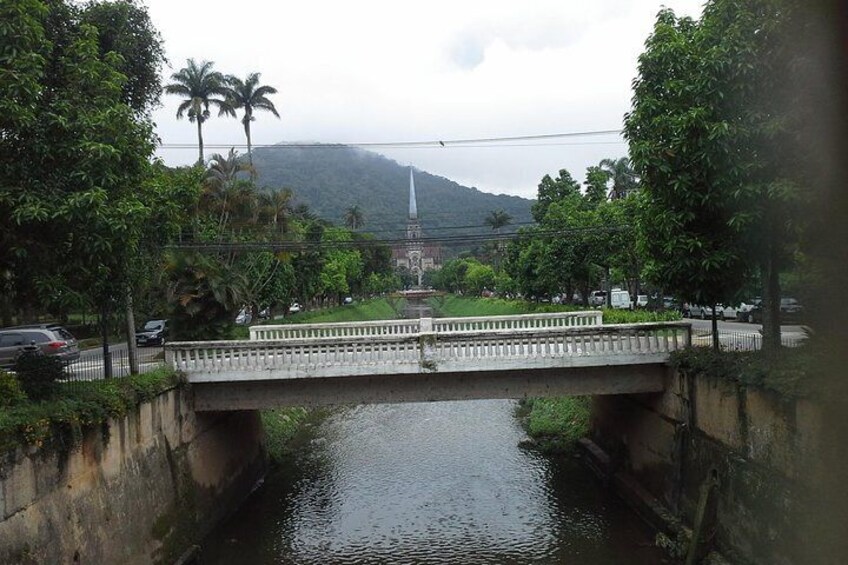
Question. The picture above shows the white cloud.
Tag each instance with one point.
(387, 70)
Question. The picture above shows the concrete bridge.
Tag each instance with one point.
(428, 360)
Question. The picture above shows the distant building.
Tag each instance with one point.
(413, 254)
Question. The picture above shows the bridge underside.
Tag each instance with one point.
(428, 387)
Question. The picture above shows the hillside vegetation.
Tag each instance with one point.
(331, 179)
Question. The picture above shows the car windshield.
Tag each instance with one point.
(788, 302)
(153, 325)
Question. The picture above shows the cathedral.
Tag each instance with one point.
(413, 254)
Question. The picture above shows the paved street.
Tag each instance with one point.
(90, 364)
(741, 335)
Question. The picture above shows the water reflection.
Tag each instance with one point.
(428, 483)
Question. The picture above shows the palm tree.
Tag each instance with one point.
(249, 95)
(354, 218)
(219, 183)
(199, 85)
(623, 177)
(498, 219)
(277, 205)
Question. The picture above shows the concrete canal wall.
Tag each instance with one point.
(776, 463)
(141, 489)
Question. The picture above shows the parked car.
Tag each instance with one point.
(671, 303)
(244, 317)
(620, 299)
(641, 300)
(706, 312)
(349, 299)
(46, 339)
(790, 311)
(745, 311)
(598, 298)
(154, 332)
(294, 308)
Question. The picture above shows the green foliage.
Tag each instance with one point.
(281, 425)
(713, 135)
(72, 156)
(204, 296)
(38, 374)
(249, 96)
(541, 264)
(200, 87)
(557, 423)
(554, 190)
(61, 420)
(11, 392)
(791, 372)
(615, 316)
(461, 306)
(124, 28)
(375, 309)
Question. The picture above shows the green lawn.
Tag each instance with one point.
(463, 306)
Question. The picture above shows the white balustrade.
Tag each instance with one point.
(489, 348)
(408, 327)
(334, 330)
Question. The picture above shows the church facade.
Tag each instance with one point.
(414, 254)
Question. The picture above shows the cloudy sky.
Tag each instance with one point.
(385, 71)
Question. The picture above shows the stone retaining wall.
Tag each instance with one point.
(778, 463)
(142, 489)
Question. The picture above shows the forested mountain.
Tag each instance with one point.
(331, 179)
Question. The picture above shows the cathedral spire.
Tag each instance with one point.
(413, 207)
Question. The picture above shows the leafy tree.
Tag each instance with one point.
(596, 184)
(124, 28)
(478, 278)
(249, 95)
(199, 85)
(710, 134)
(623, 177)
(73, 154)
(553, 190)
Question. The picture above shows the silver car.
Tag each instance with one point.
(47, 339)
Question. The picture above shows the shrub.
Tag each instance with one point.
(11, 392)
(38, 374)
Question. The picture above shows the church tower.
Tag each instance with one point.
(414, 246)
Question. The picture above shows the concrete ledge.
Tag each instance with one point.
(429, 387)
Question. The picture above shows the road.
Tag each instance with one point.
(90, 364)
(742, 335)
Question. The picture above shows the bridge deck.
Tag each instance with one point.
(431, 361)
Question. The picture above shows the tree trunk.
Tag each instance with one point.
(771, 302)
(132, 350)
(200, 140)
(104, 331)
(249, 147)
(716, 342)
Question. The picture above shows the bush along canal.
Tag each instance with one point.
(426, 483)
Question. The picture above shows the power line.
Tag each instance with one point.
(433, 143)
(247, 246)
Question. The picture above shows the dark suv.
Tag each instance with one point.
(154, 332)
(47, 339)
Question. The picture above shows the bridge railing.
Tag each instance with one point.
(334, 330)
(407, 327)
(429, 351)
(520, 322)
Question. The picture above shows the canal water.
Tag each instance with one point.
(432, 483)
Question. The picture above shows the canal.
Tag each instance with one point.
(428, 483)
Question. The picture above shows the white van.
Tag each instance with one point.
(620, 299)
